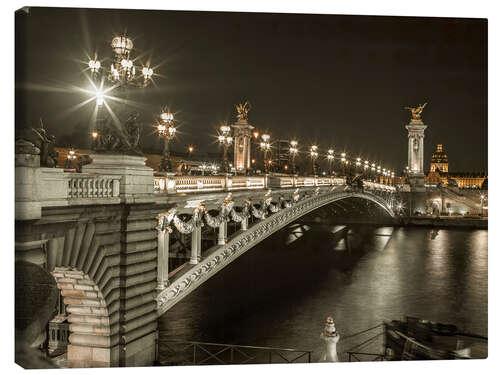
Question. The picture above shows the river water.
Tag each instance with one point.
(280, 292)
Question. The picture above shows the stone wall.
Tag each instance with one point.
(104, 260)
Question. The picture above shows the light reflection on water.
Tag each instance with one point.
(279, 295)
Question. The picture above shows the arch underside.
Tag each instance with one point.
(88, 316)
(219, 257)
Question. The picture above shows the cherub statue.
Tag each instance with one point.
(416, 113)
(243, 110)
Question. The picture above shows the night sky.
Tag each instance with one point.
(338, 81)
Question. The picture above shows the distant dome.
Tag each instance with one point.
(439, 155)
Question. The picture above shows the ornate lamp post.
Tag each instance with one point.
(358, 164)
(166, 130)
(293, 150)
(372, 173)
(225, 140)
(121, 73)
(366, 167)
(314, 156)
(343, 160)
(265, 146)
(330, 157)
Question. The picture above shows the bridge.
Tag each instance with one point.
(107, 237)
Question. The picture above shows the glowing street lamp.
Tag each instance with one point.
(343, 161)
(70, 159)
(166, 130)
(99, 98)
(330, 157)
(225, 139)
(265, 146)
(121, 73)
(94, 66)
(293, 150)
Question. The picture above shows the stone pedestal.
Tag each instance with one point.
(137, 181)
(417, 182)
(27, 177)
(416, 130)
(242, 145)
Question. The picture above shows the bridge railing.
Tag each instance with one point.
(60, 188)
(199, 184)
(377, 186)
(64, 189)
(203, 353)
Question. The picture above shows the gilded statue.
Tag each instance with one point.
(243, 110)
(416, 113)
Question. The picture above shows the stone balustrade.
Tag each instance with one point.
(200, 184)
(88, 186)
(65, 189)
(59, 188)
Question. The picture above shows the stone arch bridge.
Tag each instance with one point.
(105, 236)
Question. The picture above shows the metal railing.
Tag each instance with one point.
(355, 353)
(202, 353)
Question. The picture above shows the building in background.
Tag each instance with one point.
(282, 155)
(439, 173)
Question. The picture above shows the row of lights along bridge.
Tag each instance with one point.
(123, 73)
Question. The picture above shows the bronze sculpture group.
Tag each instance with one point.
(416, 112)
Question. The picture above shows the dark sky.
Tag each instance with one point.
(339, 81)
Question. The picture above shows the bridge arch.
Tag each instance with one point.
(89, 329)
(245, 240)
(86, 271)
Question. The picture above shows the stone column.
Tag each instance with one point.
(421, 150)
(163, 243)
(27, 179)
(222, 239)
(52, 250)
(244, 224)
(195, 245)
(242, 143)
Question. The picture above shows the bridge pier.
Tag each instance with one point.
(99, 242)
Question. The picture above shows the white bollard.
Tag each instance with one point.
(331, 338)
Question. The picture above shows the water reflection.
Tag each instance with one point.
(278, 294)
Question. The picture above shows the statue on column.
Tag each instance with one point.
(416, 112)
(242, 111)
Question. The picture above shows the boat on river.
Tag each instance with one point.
(418, 339)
